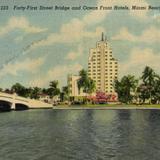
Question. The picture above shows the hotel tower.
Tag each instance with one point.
(102, 66)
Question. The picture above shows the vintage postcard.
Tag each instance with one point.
(85, 76)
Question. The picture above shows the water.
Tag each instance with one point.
(80, 135)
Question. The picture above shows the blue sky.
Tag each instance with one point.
(39, 46)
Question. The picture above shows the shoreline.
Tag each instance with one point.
(116, 107)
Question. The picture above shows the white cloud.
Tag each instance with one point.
(57, 73)
(18, 39)
(156, 17)
(29, 65)
(150, 35)
(98, 16)
(124, 35)
(20, 23)
(140, 58)
(72, 55)
(76, 29)
(69, 33)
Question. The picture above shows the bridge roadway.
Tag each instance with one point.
(15, 101)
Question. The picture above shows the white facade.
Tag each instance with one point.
(102, 66)
(46, 98)
(73, 87)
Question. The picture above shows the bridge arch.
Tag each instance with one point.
(5, 105)
(21, 106)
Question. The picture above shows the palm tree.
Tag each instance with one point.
(64, 95)
(156, 91)
(83, 80)
(86, 82)
(35, 92)
(53, 84)
(126, 88)
(91, 85)
(148, 78)
(53, 89)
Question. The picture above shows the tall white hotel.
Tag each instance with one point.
(102, 66)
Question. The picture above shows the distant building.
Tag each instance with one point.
(103, 67)
(46, 98)
(73, 86)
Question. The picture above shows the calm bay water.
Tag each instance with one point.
(80, 135)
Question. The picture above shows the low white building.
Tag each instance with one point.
(46, 98)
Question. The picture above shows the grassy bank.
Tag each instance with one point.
(109, 106)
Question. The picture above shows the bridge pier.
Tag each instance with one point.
(13, 106)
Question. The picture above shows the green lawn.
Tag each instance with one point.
(118, 105)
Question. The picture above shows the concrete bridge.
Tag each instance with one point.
(19, 103)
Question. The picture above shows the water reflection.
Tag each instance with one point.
(80, 134)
